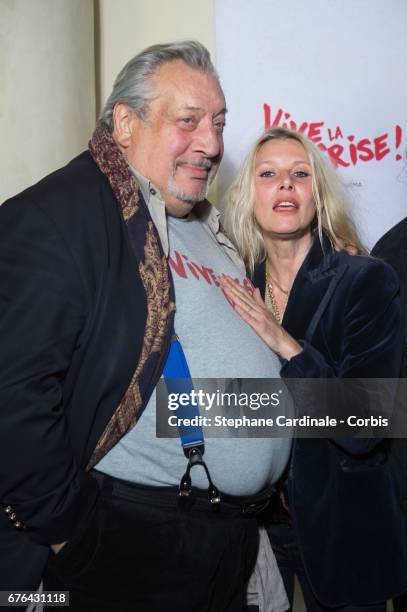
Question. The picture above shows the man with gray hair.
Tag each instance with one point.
(93, 260)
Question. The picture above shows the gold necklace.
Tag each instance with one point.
(273, 303)
(285, 291)
(272, 298)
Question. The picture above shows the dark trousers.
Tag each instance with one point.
(143, 551)
(289, 562)
(400, 603)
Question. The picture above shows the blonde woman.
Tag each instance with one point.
(325, 314)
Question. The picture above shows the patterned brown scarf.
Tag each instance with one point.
(155, 276)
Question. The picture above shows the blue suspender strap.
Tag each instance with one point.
(178, 380)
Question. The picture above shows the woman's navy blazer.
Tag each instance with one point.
(343, 497)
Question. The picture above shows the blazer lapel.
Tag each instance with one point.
(312, 290)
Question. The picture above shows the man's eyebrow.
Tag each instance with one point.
(223, 111)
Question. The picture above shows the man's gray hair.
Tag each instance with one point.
(133, 85)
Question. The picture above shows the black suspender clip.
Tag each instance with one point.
(194, 455)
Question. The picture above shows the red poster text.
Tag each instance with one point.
(344, 150)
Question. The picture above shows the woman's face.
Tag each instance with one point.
(284, 203)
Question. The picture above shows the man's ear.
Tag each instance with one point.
(124, 121)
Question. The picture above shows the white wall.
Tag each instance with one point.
(47, 71)
(47, 101)
(128, 26)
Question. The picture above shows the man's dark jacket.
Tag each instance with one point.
(392, 247)
(343, 498)
(73, 317)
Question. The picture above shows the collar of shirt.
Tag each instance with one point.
(155, 205)
(208, 215)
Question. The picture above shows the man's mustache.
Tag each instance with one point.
(199, 162)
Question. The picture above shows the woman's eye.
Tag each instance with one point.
(301, 174)
(267, 174)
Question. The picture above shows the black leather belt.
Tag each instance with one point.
(249, 506)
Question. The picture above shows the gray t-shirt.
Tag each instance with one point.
(217, 344)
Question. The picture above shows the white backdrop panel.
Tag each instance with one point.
(334, 69)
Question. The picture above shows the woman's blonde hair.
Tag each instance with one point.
(332, 208)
